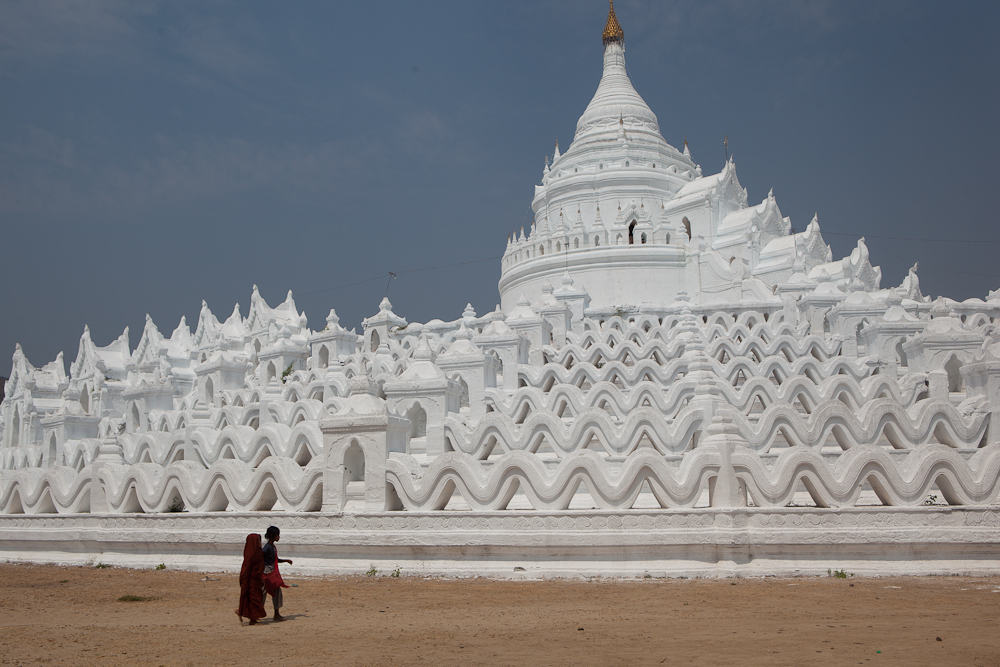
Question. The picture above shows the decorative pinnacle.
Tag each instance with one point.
(612, 29)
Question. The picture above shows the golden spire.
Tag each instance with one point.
(612, 30)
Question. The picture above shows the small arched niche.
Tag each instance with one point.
(15, 427)
(52, 450)
(354, 463)
(953, 369)
(418, 421)
(136, 420)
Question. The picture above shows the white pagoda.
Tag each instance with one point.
(634, 221)
(673, 382)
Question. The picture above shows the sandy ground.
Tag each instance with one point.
(72, 616)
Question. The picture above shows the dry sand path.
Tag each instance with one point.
(72, 616)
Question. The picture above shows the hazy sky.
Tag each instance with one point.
(154, 154)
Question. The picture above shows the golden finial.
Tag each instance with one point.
(612, 30)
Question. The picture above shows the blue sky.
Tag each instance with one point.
(154, 154)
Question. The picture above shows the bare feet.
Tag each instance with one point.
(279, 617)
(253, 621)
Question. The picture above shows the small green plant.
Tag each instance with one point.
(161, 566)
(136, 598)
(372, 571)
(286, 372)
(101, 566)
(395, 573)
(63, 581)
(647, 576)
(840, 574)
(931, 500)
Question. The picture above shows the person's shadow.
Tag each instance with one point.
(288, 617)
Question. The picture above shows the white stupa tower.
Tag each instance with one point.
(634, 223)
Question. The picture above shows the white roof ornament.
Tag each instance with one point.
(813, 227)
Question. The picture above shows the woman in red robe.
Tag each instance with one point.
(252, 581)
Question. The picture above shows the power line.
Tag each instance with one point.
(906, 238)
(448, 266)
(330, 289)
(934, 268)
(394, 274)
(827, 221)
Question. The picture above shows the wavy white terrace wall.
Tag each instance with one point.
(632, 411)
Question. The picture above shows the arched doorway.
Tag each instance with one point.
(354, 463)
(324, 357)
(418, 421)
(15, 428)
(631, 233)
(953, 368)
(464, 400)
(901, 355)
(376, 341)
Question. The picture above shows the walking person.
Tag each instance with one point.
(252, 581)
(273, 582)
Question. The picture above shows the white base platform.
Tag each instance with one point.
(692, 543)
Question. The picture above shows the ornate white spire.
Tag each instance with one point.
(615, 95)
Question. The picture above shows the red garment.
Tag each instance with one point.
(273, 580)
(251, 581)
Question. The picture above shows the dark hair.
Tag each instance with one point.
(272, 532)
